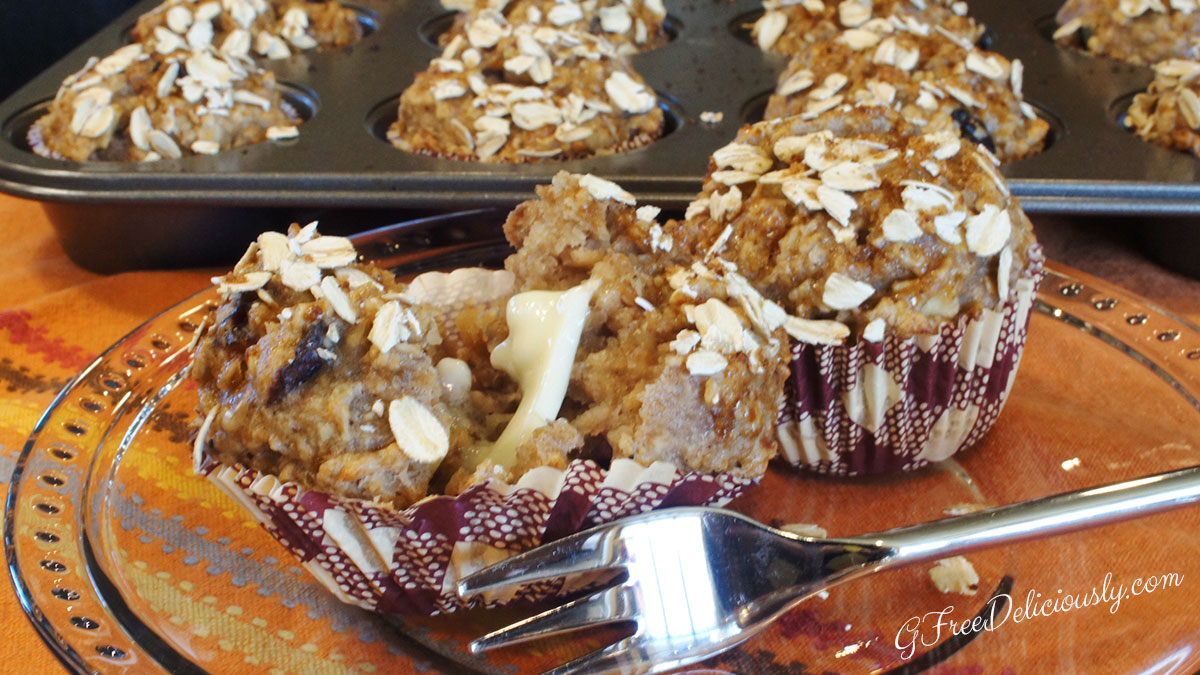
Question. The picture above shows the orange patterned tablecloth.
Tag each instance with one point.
(56, 317)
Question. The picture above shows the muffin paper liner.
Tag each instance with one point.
(407, 561)
(37, 143)
(899, 404)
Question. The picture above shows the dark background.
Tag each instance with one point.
(36, 33)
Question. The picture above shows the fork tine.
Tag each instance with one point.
(582, 552)
(612, 605)
(606, 660)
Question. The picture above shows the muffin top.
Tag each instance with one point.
(862, 219)
(1168, 112)
(1136, 31)
(274, 29)
(791, 26)
(630, 25)
(139, 104)
(519, 93)
(935, 79)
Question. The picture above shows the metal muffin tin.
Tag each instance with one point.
(201, 210)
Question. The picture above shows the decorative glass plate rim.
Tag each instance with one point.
(1168, 346)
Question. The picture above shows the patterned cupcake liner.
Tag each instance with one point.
(900, 404)
(407, 561)
(37, 143)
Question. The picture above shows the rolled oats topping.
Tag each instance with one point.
(153, 105)
(1143, 32)
(847, 224)
(789, 27)
(630, 25)
(270, 28)
(527, 94)
(1168, 112)
(932, 77)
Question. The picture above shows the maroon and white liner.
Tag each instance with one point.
(899, 404)
(407, 561)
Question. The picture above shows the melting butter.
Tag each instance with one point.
(543, 334)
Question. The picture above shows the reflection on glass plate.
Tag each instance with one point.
(128, 563)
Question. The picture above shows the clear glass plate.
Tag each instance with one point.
(125, 562)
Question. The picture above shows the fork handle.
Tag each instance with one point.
(1057, 514)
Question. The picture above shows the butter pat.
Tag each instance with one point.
(543, 334)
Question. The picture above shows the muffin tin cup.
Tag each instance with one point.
(900, 404)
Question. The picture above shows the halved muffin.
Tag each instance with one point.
(397, 436)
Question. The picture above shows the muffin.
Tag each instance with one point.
(910, 242)
(630, 25)
(935, 80)
(1168, 112)
(792, 27)
(1135, 31)
(688, 378)
(138, 104)
(381, 430)
(516, 93)
(274, 29)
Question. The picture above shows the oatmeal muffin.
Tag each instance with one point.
(792, 26)
(311, 353)
(580, 385)
(1168, 112)
(273, 29)
(141, 105)
(516, 93)
(1136, 31)
(910, 242)
(630, 25)
(935, 80)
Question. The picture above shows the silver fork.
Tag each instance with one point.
(700, 580)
